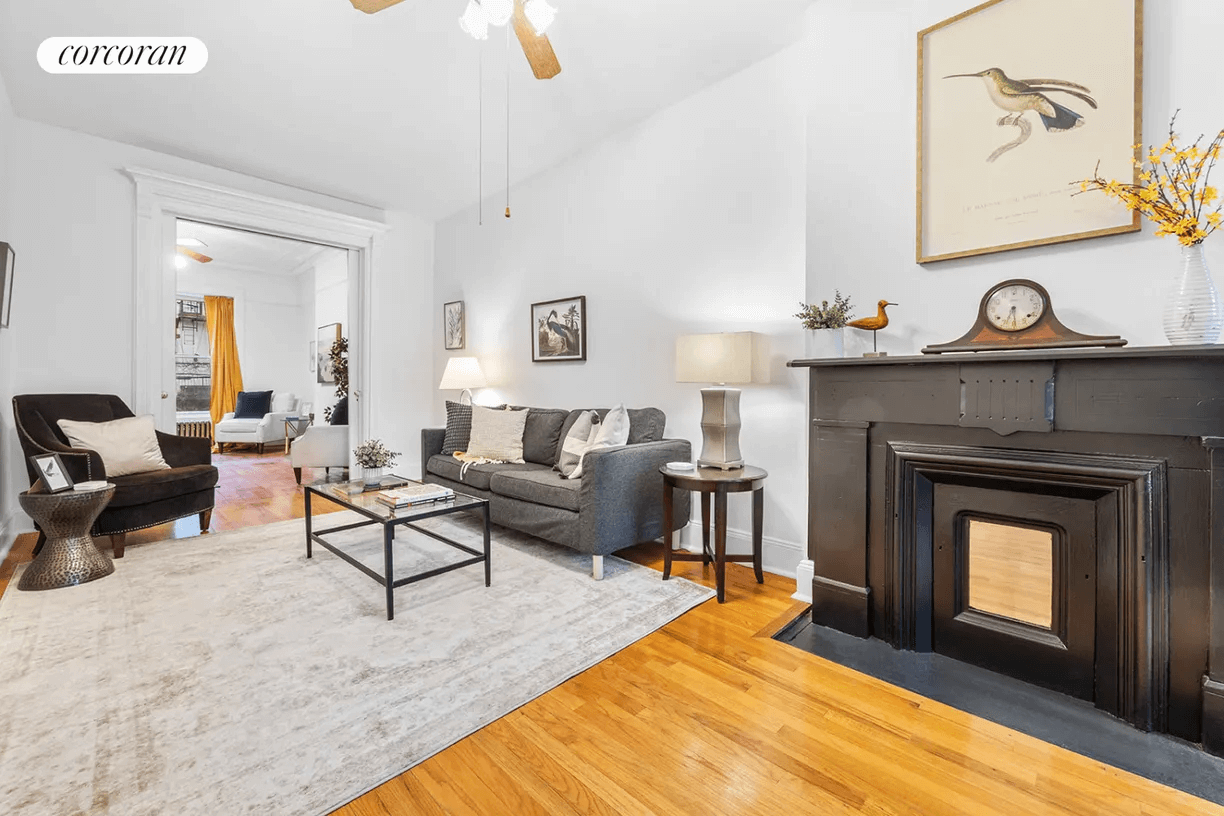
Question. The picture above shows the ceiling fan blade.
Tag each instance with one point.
(372, 6)
(536, 47)
(193, 255)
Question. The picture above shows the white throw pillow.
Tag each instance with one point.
(612, 432)
(573, 448)
(126, 445)
(497, 434)
(283, 402)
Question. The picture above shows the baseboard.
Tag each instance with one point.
(778, 556)
(804, 573)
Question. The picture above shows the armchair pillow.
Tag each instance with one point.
(127, 445)
(497, 434)
(253, 404)
(283, 402)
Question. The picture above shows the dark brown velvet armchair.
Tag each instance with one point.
(141, 499)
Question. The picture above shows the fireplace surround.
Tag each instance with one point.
(1111, 455)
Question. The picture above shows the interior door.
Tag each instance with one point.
(359, 356)
(1015, 584)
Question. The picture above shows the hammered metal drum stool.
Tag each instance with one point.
(69, 556)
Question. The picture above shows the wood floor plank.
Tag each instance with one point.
(710, 716)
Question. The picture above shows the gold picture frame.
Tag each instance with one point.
(971, 201)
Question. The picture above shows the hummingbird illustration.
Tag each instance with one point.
(1019, 95)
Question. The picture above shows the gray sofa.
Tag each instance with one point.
(618, 501)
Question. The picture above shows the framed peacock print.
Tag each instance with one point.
(1018, 100)
(558, 330)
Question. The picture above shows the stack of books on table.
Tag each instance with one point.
(415, 494)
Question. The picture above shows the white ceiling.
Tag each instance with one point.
(252, 252)
(382, 109)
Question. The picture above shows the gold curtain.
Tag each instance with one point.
(223, 345)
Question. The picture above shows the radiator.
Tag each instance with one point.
(201, 429)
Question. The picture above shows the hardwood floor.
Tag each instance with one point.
(710, 716)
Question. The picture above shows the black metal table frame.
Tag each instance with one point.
(389, 525)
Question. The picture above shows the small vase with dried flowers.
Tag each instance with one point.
(1174, 192)
(826, 326)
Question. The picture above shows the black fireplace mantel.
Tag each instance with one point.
(1146, 423)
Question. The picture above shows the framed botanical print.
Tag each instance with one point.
(558, 330)
(328, 335)
(1019, 100)
(452, 325)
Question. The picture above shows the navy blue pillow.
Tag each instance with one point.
(253, 404)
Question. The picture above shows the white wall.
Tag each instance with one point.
(331, 297)
(268, 315)
(692, 221)
(862, 164)
(12, 463)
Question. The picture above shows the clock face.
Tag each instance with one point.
(1014, 307)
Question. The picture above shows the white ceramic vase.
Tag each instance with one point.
(372, 476)
(1193, 314)
(824, 343)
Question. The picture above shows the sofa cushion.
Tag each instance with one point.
(645, 425)
(574, 446)
(538, 487)
(542, 435)
(252, 404)
(448, 467)
(155, 485)
(611, 432)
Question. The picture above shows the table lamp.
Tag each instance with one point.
(462, 373)
(717, 358)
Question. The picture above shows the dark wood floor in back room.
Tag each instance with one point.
(710, 716)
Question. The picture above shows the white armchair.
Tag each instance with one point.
(325, 446)
(268, 428)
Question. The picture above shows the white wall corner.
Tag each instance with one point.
(804, 574)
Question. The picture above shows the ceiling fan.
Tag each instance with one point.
(185, 249)
(530, 17)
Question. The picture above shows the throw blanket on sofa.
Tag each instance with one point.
(468, 460)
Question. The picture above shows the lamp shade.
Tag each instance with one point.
(461, 373)
(714, 358)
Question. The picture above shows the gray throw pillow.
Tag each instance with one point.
(542, 435)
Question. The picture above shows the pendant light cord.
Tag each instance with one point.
(508, 121)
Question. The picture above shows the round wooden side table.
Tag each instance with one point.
(69, 556)
(707, 481)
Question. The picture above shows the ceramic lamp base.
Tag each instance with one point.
(720, 427)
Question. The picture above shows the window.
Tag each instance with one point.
(192, 363)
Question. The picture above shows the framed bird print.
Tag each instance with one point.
(1019, 100)
(558, 330)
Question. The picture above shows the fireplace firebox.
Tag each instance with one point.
(1055, 516)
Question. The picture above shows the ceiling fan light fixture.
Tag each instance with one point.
(180, 262)
(499, 12)
(475, 21)
(191, 242)
(540, 15)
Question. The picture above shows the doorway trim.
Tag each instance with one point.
(162, 198)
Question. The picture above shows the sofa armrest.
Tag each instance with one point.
(321, 446)
(621, 498)
(431, 445)
(181, 451)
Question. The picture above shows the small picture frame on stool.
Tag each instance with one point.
(51, 472)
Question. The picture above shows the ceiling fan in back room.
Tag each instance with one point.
(185, 251)
(531, 19)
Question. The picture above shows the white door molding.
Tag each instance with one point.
(160, 199)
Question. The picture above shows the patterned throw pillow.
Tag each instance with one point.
(574, 446)
(458, 428)
(497, 433)
(252, 404)
(611, 432)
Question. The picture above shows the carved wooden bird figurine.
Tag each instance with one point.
(873, 324)
(1019, 95)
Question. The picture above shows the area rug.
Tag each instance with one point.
(228, 674)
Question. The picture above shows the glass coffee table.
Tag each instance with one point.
(351, 496)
